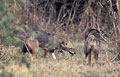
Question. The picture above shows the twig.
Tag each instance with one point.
(106, 54)
(116, 56)
(26, 47)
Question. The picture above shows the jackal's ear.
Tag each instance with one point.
(62, 42)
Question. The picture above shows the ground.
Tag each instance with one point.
(64, 66)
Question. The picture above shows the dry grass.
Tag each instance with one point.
(65, 66)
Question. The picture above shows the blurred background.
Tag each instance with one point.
(65, 18)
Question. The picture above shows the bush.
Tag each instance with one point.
(7, 33)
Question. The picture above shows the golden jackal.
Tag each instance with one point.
(47, 42)
(30, 45)
(92, 44)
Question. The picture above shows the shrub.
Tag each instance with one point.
(8, 34)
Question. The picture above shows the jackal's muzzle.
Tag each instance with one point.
(67, 46)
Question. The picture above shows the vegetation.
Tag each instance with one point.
(68, 19)
(7, 32)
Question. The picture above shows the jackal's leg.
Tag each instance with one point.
(32, 56)
(89, 60)
(23, 50)
(31, 59)
(85, 59)
(45, 53)
(86, 51)
(86, 55)
(52, 53)
(96, 55)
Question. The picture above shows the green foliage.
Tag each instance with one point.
(8, 35)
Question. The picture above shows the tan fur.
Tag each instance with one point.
(69, 45)
(32, 45)
(91, 46)
(46, 41)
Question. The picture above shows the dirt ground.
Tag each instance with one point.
(64, 66)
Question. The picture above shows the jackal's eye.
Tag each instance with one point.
(65, 43)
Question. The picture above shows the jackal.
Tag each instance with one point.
(30, 45)
(94, 32)
(47, 42)
(92, 44)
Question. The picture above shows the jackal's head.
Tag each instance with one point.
(68, 46)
